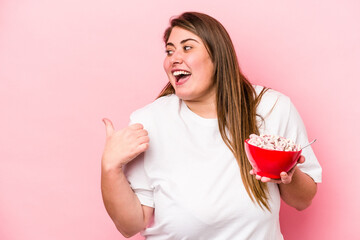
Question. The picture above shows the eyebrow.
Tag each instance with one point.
(182, 42)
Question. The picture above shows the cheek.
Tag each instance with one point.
(166, 65)
(202, 64)
(167, 69)
(207, 69)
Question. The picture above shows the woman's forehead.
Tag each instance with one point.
(178, 35)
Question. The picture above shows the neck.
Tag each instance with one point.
(205, 109)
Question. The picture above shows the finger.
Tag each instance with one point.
(283, 175)
(285, 178)
(142, 133)
(142, 140)
(301, 159)
(136, 126)
(108, 126)
(252, 172)
(143, 147)
(265, 179)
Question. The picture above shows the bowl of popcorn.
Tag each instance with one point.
(269, 155)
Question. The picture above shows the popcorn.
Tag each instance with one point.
(273, 142)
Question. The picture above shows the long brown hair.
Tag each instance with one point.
(236, 99)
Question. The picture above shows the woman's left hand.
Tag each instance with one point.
(285, 177)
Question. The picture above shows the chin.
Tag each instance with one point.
(183, 96)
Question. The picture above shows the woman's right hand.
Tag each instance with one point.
(124, 145)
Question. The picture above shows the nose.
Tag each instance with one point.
(176, 58)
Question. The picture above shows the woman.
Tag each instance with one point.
(193, 176)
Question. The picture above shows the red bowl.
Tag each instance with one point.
(270, 163)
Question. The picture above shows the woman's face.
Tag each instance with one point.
(189, 66)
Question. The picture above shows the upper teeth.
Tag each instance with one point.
(177, 73)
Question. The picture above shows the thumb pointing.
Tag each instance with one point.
(108, 126)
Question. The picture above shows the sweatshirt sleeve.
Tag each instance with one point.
(295, 129)
(280, 117)
(137, 176)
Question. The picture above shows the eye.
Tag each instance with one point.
(169, 52)
(187, 48)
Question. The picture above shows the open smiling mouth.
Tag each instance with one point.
(181, 76)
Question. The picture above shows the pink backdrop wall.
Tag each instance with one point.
(64, 65)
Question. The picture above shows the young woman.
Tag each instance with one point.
(193, 177)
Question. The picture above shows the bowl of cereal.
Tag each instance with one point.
(269, 155)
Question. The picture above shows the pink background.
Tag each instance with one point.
(64, 65)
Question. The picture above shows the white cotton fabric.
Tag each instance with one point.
(192, 179)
